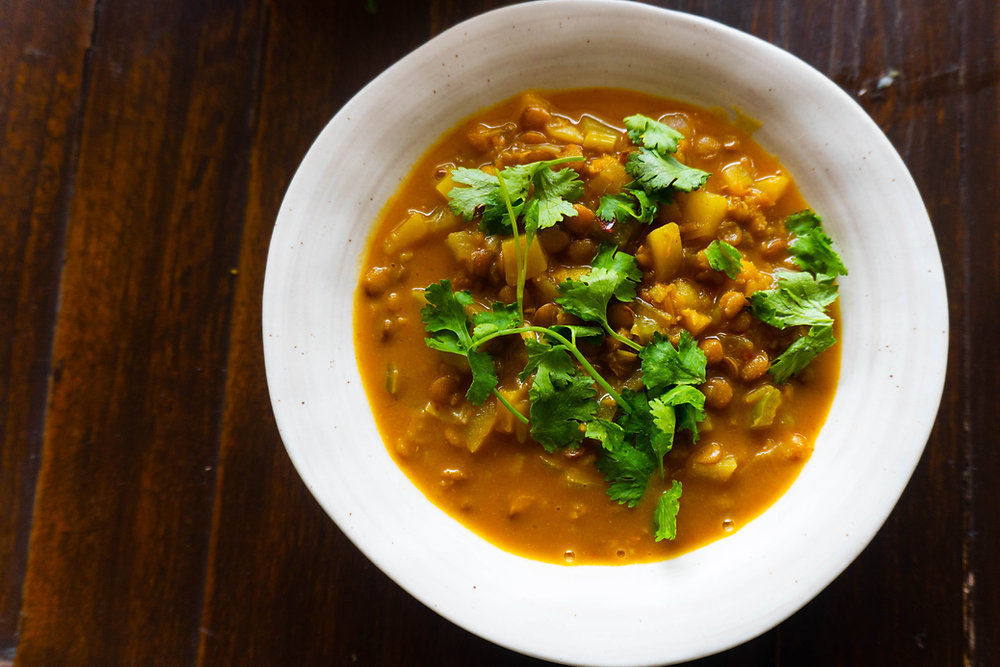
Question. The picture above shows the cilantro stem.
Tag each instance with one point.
(570, 346)
(622, 339)
(507, 404)
(521, 263)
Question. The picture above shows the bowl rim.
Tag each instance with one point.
(478, 611)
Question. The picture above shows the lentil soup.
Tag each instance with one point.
(477, 460)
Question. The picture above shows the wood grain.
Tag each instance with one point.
(42, 56)
(148, 511)
(120, 531)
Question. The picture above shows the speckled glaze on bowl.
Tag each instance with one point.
(895, 333)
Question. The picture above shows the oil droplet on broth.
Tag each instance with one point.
(728, 525)
(569, 556)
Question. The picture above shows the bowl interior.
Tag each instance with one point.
(894, 334)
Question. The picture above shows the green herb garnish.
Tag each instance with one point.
(801, 298)
(665, 517)
(724, 257)
(566, 390)
(613, 273)
(657, 173)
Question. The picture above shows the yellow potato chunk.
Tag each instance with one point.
(773, 187)
(537, 262)
(408, 233)
(665, 248)
(702, 212)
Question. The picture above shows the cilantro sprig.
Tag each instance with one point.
(801, 298)
(565, 387)
(656, 170)
(613, 274)
(534, 193)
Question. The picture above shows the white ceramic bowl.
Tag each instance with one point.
(895, 332)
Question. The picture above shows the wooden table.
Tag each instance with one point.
(148, 512)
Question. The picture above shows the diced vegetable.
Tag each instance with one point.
(764, 402)
(392, 378)
(408, 233)
(599, 137)
(536, 265)
(562, 131)
(664, 245)
(445, 185)
(480, 424)
(702, 211)
(773, 187)
(610, 176)
(736, 179)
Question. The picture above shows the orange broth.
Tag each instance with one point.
(554, 507)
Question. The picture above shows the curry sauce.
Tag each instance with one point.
(479, 462)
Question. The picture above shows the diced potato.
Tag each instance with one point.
(702, 211)
(481, 424)
(736, 179)
(609, 176)
(773, 187)
(445, 185)
(548, 288)
(443, 221)
(463, 243)
(507, 422)
(562, 131)
(694, 321)
(536, 265)
(665, 247)
(682, 294)
(407, 233)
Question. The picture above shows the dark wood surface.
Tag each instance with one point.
(148, 512)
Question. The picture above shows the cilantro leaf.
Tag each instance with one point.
(664, 365)
(644, 131)
(636, 418)
(484, 377)
(812, 250)
(801, 298)
(665, 515)
(613, 273)
(562, 398)
(553, 197)
(689, 403)
(798, 299)
(631, 202)
(482, 191)
(445, 318)
(542, 196)
(626, 468)
(679, 408)
(664, 419)
(798, 355)
(724, 257)
(500, 318)
(658, 172)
